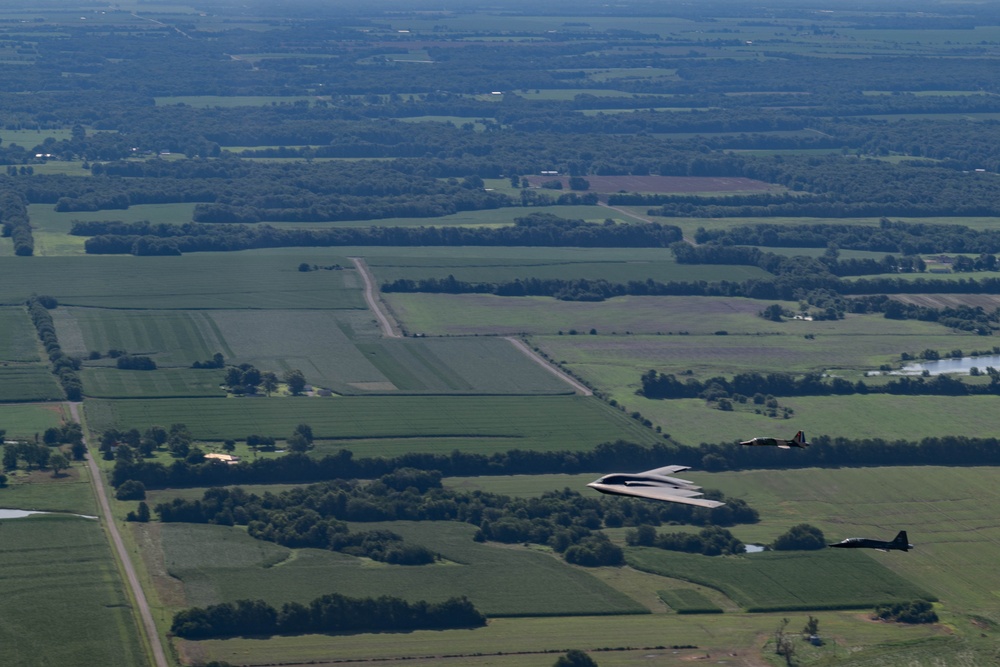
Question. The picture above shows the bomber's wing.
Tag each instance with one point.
(665, 494)
(665, 470)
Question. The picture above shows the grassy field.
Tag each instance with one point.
(23, 420)
(17, 336)
(785, 581)
(58, 572)
(541, 422)
(161, 383)
(688, 601)
(217, 563)
(267, 279)
(565, 264)
(28, 382)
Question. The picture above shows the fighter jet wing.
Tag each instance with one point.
(663, 493)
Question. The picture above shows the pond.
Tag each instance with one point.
(753, 548)
(952, 365)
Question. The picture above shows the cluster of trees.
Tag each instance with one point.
(709, 541)
(131, 444)
(314, 516)
(326, 614)
(762, 387)
(15, 223)
(217, 361)
(63, 366)
(802, 537)
(917, 611)
(33, 455)
(138, 362)
(534, 230)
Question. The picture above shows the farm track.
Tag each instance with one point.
(159, 657)
(637, 217)
(578, 386)
(390, 329)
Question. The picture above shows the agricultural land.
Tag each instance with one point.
(316, 320)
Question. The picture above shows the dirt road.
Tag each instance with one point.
(159, 657)
(578, 386)
(389, 328)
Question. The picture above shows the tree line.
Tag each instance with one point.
(298, 468)
(540, 229)
(63, 366)
(328, 613)
(755, 385)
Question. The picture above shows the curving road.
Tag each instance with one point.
(159, 657)
(389, 328)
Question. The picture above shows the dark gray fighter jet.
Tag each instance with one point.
(900, 543)
(798, 441)
(655, 485)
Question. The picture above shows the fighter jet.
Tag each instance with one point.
(900, 543)
(798, 441)
(655, 485)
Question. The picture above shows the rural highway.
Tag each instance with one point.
(389, 328)
(159, 657)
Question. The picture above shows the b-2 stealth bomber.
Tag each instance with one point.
(656, 485)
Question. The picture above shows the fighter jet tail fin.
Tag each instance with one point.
(901, 540)
(800, 439)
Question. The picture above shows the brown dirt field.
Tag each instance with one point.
(987, 301)
(660, 184)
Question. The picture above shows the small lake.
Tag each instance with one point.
(753, 548)
(952, 365)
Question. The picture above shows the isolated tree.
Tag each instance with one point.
(9, 458)
(229, 445)
(802, 537)
(812, 627)
(783, 643)
(268, 382)
(296, 381)
(297, 443)
(574, 658)
(78, 450)
(58, 462)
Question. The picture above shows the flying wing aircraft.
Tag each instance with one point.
(798, 441)
(900, 543)
(656, 485)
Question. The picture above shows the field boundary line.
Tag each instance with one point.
(390, 328)
(579, 387)
(146, 616)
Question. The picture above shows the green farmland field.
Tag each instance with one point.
(57, 571)
(32, 382)
(217, 563)
(785, 581)
(688, 601)
(541, 422)
(161, 383)
(253, 279)
(18, 341)
(639, 266)
(24, 420)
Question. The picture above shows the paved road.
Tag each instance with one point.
(389, 327)
(541, 361)
(138, 595)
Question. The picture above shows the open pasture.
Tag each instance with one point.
(537, 422)
(24, 420)
(253, 279)
(217, 563)
(849, 346)
(987, 302)
(663, 184)
(28, 382)
(161, 383)
(616, 641)
(58, 572)
(948, 512)
(18, 340)
(785, 581)
(657, 265)
(484, 314)
(44, 217)
(692, 421)
(688, 601)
